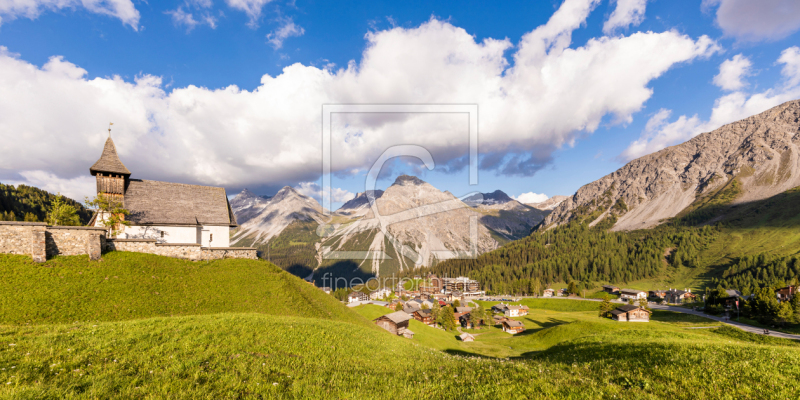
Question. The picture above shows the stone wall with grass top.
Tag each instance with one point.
(188, 251)
(42, 241)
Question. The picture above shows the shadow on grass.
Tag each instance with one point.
(463, 353)
(550, 323)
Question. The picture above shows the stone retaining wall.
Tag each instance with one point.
(41, 241)
(75, 240)
(188, 251)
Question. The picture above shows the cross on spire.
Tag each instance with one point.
(109, 128)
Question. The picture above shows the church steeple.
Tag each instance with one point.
(109, 162)
(112, 175)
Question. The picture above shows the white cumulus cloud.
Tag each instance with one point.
(732, 72)
(286, 30)
(659, 133)
(122, 9)
(756, 20)
(547, 95)
(627, 13)
(187, 19)
(314, 190)
(530, 197)
(250, 7)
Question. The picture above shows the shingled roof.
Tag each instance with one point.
(396, 317)
(164, 203)
(109, 161)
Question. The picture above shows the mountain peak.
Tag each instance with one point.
(496, 197)
(245, 194)
(408, 180)
(361, 199)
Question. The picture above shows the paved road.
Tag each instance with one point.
(744, 327)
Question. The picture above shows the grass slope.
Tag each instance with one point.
(258, 346)
(126, 286)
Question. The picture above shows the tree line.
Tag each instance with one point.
(576, 253)
(30, 204)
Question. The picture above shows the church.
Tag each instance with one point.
(170, 213)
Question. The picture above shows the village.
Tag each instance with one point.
(452, 304)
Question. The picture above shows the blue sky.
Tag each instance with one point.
(154, 65)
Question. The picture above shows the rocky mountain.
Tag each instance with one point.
(262, 218)
(549, 204)
(505, 216)
(745, 161)
(247, 205)
(359, 204)
(416, 224)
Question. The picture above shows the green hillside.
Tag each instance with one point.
(166, 328)
(22, 199)
(125, 286)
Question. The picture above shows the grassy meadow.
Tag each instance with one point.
(241, 329)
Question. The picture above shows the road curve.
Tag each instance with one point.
(744, 327)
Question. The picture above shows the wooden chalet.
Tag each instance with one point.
(410, 307)
(680, 296)
(466, 337)
(425, 316)
(459, 311)
(660, 293)
(498, 319)
(785, 293)
(631, 314)
(396, 323)
(513, 327)
(548, 293)
(611, 289)
(500, 308)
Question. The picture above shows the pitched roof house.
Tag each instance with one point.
(678, 296)
(466, 337)
(632, 294)
(459, 311)
(785, 293)
(513, 327)
(516, 311)
(630, 313)
(425, 316)
(167, 212)
(610, 289)
(499, 308)
(396, 323)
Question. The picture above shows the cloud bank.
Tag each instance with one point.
(542, 96)
(122, 9)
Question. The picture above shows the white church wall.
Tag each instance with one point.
(216, 236)
(163, 234)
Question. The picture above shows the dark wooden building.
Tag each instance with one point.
(396, 322)
(425, 316)
(631, 314)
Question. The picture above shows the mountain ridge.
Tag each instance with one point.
(751, 159)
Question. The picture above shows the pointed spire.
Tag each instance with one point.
(109, 161)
